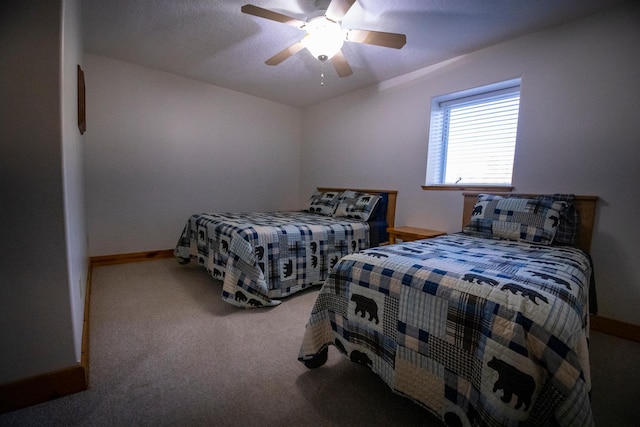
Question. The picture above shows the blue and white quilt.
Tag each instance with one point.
(261, 256)
(478, 331)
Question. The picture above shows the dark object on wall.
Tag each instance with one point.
(82, 118)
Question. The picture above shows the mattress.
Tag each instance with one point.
(478, 331)
(264, 256)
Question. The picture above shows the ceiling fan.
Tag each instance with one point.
(325, 35)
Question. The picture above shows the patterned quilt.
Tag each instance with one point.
(478, 331)
(260, 256)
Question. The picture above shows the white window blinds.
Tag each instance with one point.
(473, 138)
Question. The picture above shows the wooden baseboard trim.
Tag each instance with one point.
(84, 356)
(41, 388)
(99, 261)
(616, 328)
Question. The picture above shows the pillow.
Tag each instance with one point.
(513, 218)
(380, 211)
(569, 220)
(324, 203)
(356, 205)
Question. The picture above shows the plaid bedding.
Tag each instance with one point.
(478, 331)
(260, 256)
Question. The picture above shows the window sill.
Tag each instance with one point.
(486, 188)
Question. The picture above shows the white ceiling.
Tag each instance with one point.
(213, 42)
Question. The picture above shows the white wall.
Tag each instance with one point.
(578, 133)
(161, 147)
(39, 319)
(73, 168)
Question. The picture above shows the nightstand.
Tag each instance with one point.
(409, 234)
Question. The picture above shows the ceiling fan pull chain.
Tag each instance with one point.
(323, 59)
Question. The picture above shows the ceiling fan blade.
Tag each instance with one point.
(284, 54)
(274, 16)
(338, 8)
(377, 38)
(341, 65)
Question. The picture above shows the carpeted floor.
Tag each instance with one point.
(165, 350)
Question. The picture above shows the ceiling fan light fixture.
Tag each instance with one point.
(324, 37)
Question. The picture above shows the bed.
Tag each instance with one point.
(263, 256)
(484, 327)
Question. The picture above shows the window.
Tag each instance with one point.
(472, 139)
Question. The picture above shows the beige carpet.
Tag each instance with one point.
(167, 351)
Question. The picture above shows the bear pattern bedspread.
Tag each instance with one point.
(478, 331)
(261, 256)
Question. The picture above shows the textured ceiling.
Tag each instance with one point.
(213, 42)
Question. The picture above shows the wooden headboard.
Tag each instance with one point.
(585, 205)
(391, 203)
